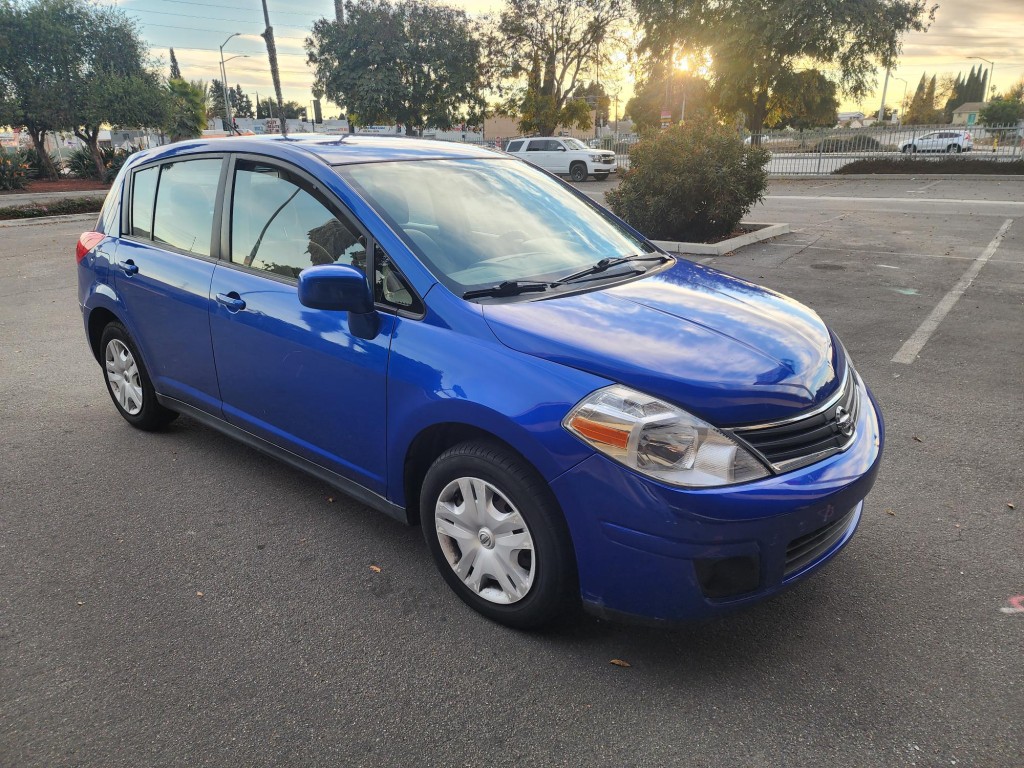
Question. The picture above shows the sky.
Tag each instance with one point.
(992, 29)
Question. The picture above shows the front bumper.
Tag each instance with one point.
(642, 548)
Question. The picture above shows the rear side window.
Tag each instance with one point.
(143, 194)
(515, 146)
(280, 225)
(537, 145)
(185, 201)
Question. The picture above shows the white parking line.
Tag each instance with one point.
(922, 189)
(912, 347)
(915, 200)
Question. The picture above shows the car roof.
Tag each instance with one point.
(343, 149)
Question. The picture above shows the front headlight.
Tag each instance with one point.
(660, 440)
(596, 158)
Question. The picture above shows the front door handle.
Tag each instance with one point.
(232, 301)
(128, 267)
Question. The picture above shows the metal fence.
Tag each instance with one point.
(822, 152)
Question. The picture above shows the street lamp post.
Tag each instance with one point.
(991, 75)
(904, 102)
(224, 82)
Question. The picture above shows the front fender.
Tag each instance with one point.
(439, 375)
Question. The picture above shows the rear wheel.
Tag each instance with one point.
(497, 535)
(128, 382)
(578, 172)
(909, 149)
(953, 148)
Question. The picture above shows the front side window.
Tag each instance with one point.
(280, 224)
(490, 220)
(186, 197)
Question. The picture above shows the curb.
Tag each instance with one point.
(65, 218)
(764, 232)
(894, 176)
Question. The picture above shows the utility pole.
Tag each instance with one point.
(275, 72)
(224, 85)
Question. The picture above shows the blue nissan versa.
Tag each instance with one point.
(459, 339)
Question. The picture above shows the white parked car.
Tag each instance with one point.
(565, 156)
(940, 141)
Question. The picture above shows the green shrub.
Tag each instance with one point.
(14, 169)
(693, 182)
(114, 160)
(849, 144)
(81, 165)
(61, 207)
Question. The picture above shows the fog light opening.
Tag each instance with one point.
(729, 576)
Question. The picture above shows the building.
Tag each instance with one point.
(967, 114)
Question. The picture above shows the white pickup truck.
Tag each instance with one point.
(565, 156)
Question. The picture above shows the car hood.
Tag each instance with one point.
(724, 349)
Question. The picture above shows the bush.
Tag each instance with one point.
(81, 165)
(849, 144)
(60, 207)
(114, 161)
(693, 182)
(939, 165)
(14, 169)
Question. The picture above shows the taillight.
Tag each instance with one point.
(968, 136)
(86, 243)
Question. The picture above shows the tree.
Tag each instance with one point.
(755, 47)
(41, 60)
(922, 109)
(654, 92)
(805, 99)
(175, 69)
(1015, 91)
(541, 50)
(241, 104)
(1002, 112)
(594, 95)
(186, 110)
(412, 63)
(115, 86)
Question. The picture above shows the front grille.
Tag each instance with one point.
(805, 549)
(806, 439)
(607, 160)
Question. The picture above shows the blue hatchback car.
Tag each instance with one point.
(465, 342)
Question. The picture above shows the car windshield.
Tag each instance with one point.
(575, 144)
(480, 222)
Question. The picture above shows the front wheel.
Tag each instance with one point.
(128, 382)
(497, 536)
(578, 172)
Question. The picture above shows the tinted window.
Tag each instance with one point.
(282, 226)
(143, 192)
(515, 146)
(185, 200)
(537, 145)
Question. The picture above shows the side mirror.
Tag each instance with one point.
(335, 287)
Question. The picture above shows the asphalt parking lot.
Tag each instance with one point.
(180, 600)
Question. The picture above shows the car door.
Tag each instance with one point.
(297, 377)
(929, 142)
(162, 273)
(539, 152)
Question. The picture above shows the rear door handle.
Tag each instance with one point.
(232, 301)
(128, 267)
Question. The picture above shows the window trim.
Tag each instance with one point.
(332, 203)
(126, 210)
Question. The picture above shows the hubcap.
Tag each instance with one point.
(485, 540)
(123, 377)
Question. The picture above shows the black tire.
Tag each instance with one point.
(151, 416)
(909, 149)
(953, 149)
(578, 172)
(554, 591)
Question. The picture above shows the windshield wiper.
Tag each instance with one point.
(605, 264)
(507, 288)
